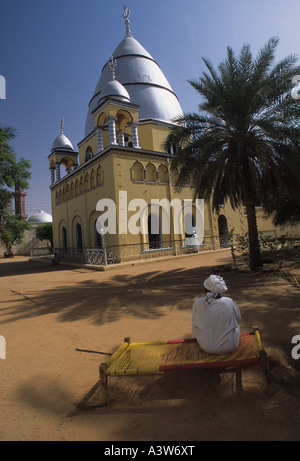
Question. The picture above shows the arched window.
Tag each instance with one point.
(81, 185)
(79, 237)
(87, 182)
(93, 179)
(138, 172)
(76, 187)
(99, 176)
(172, 149)
(150, 173)
(88, 153)
(72, 190)
(64, 238)
(128, 140)
(163, 177)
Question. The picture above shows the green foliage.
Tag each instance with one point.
(11, 231)
(12, 173)
(45, 232)
(274, 249)
(285, 210)
(242, 146)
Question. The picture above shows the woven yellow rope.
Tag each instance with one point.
(152, 357)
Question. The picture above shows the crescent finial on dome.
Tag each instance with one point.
(112, 64)
(126, 14)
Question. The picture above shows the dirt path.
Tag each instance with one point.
(48, 311)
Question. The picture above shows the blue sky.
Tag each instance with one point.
(52, 53)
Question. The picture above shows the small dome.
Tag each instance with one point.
(114, 89)
(62, 142)
(40, 217)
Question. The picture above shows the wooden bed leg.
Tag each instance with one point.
(271, 390)
(103, 381)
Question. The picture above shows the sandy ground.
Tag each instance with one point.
(47, 311)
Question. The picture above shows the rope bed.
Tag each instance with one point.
(162, 356)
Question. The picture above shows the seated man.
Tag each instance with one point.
(215, 319)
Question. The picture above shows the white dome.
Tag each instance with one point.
(114, 89)
(62, 142)
(142, 77)
(40, 217)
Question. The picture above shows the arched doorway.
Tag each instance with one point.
(154, 231)
(223, 231)
(97, 236)
(191, 237)
(189, 226)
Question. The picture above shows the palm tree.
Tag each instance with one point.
(242, 144)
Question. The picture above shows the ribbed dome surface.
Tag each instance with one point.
(146, 84)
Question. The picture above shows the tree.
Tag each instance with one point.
(241, 146)
(11, 232)
(12, 172)
(45, 232)
(285, 211)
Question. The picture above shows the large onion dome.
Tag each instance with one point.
(144, 81)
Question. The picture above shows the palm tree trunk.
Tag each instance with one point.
(254, 249)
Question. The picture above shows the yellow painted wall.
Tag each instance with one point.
(117, 176)
(90, 142)
(82, 207)
(142, 174)
(152, 136)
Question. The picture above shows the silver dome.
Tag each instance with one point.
(146, 84)
(114, 89)
(62, 142)
(40, 217)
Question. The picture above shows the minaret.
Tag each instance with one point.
(20, 195)
(62, 153)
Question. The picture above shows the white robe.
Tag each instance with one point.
(215, 324)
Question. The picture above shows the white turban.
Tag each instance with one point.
(215, 284)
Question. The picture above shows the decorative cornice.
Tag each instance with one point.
(110, 150)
